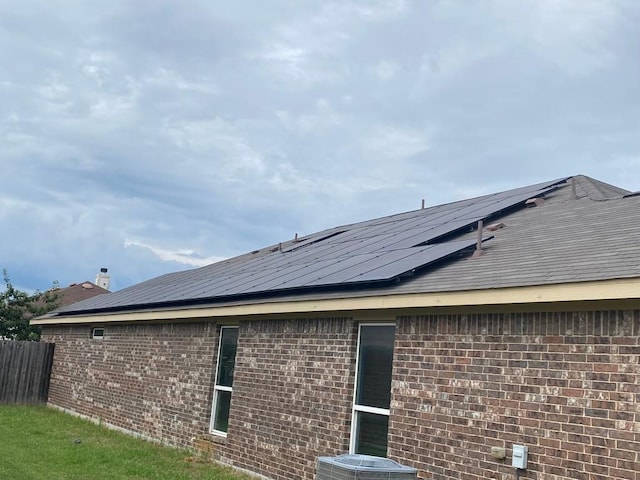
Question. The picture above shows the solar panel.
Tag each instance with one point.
(394, 263)
(372, 251)
(307, 277)
(389, 265)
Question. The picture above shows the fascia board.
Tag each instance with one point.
(619, 289)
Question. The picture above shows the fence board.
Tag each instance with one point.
(25, 368)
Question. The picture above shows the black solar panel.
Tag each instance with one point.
(397, 262)
(373, 251)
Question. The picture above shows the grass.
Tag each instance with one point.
(42, 443)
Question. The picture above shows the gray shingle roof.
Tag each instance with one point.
(563, 240)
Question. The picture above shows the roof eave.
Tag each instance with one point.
(603, 290)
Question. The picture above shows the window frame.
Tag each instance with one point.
(220, 388)
(95, 336)
(356, 408)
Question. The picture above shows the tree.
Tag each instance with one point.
(17, 308)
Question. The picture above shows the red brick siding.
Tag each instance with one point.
(292, 392)
(567, 385)
(154, 380)
(292, 395)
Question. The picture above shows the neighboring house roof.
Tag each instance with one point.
(584, 231)
(78, 292)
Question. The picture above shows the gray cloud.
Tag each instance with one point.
(154, 136)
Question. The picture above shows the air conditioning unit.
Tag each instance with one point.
(362, 467)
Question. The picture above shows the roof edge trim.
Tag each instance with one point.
(615, 289)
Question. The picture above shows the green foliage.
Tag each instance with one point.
(39, 443)
(17, 308)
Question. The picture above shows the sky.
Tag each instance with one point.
(154, 136)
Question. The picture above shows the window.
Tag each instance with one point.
(224, 380)
(372, 400)
(97, 333)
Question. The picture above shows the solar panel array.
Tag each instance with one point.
(374, 251)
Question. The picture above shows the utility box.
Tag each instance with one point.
(362, 467)
(519, 458)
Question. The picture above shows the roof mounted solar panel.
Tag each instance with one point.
(311, 240)
(373, 251)
(389, 267)
(305, 277)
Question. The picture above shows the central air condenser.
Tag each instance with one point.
(362, 467)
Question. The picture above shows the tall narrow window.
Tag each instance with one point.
(224, 380)
(373, 390)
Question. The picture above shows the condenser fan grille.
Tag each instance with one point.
(362, 467)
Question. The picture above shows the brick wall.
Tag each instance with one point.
(292, 395)
(567, 385)
(154, 380)
(292, 391)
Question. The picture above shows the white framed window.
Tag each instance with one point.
(224, 380)
(372, 397)
(97, 333)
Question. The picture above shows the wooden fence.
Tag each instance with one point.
(24, 371)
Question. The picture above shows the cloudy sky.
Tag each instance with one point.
(150, 136)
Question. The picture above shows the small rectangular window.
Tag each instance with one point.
(223, 386)
(97, 333)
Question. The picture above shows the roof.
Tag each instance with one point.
(77, 292)
(585, 230)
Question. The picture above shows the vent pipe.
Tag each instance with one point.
(574, 194)
(479, 252)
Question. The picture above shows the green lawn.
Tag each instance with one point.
(40, 443)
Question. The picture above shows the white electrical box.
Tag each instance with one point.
(519, 458)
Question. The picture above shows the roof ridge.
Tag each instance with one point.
(597, 190)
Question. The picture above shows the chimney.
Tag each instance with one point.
(102, 279)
